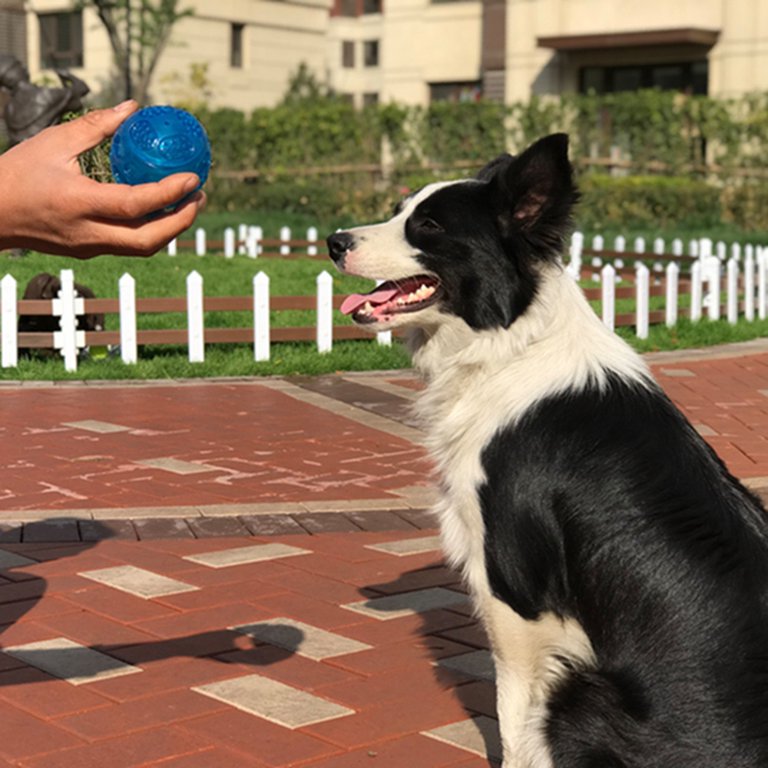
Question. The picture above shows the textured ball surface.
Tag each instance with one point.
(156, 142)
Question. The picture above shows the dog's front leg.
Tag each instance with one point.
(528, 656)
(515, 661)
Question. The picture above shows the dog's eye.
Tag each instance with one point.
(430, 225)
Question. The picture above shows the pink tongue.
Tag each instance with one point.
(356, 300)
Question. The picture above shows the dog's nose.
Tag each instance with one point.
(339, 244)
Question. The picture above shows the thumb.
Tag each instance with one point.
(90, 129)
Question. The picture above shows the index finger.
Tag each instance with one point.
(86, 131)
(126, 202)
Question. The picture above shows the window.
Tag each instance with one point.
(61, 40)
(688, 76)
(347, 54)
(370, 99)
(627, 79)
(463, 92)
(355, 8)
(371, 53)
(236, 46)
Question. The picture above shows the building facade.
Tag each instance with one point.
(417, 51)
(408, 51)
(699, 46)
(247, 50)
(13, 29)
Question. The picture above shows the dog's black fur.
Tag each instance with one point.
(599, 502)
(609, 508)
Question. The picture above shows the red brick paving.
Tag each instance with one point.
(726, 396)
(265, 446)
(260, 443)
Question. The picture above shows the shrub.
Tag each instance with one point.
(746, 206)
(334, 199)
(296, 152)
(449, 131)
(643, 202)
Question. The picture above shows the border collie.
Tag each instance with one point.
(620, 571)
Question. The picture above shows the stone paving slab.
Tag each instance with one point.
(138, 581)
(92, 425)
(274, 701)
(477, 664)
(70, 661)
(12, 560)
(302, 638)
(258, 553)
(478, 735)
(406, 604)
(406, 547)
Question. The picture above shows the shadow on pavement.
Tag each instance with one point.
(226, 646)
(468, 675)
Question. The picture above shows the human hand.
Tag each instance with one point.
(47, 204)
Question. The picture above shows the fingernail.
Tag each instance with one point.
(124, 106)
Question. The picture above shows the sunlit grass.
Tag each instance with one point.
(165, 276)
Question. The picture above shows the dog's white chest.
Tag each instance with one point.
(457, 441)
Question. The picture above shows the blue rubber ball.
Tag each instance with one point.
(156, 142)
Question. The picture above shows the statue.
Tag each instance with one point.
(31, 107)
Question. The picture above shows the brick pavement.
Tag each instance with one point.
(243, 573)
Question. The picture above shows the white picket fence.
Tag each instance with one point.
(68, 306)
(249, 241)
(740, 274)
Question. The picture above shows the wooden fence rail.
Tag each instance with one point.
(704, 279)
(260, 333)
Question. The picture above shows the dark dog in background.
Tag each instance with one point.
(620, 570)
(47, 286)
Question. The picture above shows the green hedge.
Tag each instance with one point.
(299, 148)
(652, 203)
(649, 127)
(746, 206)
(657, 203)
(648, 202)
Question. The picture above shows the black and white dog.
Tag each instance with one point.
(620, 571)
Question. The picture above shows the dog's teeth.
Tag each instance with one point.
(424, 292)
(368, 308)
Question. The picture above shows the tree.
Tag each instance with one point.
(304, 86)
(139, 32)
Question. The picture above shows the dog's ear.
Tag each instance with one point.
(45, 286)
(535, 191)
(491, 169)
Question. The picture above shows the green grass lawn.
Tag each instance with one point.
(164, 275)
